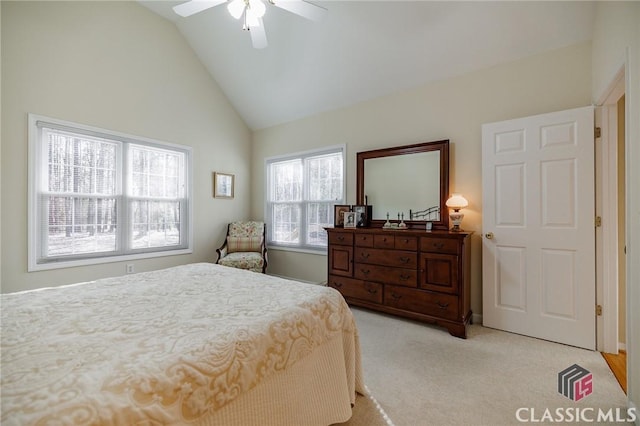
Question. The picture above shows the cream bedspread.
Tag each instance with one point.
(177, 346)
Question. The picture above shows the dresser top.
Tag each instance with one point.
(397, 231)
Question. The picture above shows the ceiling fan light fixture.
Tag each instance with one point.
(236, 8)
(257, 8)
(251, 20)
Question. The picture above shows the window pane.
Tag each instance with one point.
(80, 165)
(325, 177)
(155, 173)
(318, 217)
(286, 181)
(155, 224)
(81, 225)
(301, 195)
(82, 191)
(286, 223)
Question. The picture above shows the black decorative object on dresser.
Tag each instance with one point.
(410, 273)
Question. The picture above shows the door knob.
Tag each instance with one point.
(489, 235)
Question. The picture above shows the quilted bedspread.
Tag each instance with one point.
(165, 347)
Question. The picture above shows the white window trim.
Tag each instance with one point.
(33, 232)
(318, 151)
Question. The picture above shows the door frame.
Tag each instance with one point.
(607, 277)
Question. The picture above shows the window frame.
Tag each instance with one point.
(302, 155)
(37, 154)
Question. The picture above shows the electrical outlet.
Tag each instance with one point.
(130, 268)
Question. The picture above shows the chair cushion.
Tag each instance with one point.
(242, 244)
(246, 229)
(243, 260)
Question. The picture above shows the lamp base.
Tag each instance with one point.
(456, 219)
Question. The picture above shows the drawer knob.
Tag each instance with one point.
(365, 271)
(337, 284)
(442, 305)
(395, 296)
(372, 290)
(340, 237)
(438, 245)
(365, 255)
(404, 259)
(404, 277)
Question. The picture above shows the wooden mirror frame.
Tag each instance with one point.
(441, 146)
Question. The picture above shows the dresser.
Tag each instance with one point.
(422, 275)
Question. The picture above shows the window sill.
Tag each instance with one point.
(322, 252)
(101, 260)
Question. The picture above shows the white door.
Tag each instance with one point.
(538, 256)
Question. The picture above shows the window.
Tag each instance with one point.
(99, 196)
(301, 192)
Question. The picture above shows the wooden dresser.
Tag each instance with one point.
(422, 275)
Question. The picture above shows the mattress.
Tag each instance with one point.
(195, 344)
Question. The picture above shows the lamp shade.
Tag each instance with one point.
(457, 201)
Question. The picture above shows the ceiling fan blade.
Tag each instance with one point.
(302, 8)
(258, 35)
(194, 6)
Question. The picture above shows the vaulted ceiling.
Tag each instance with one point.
(365, 49)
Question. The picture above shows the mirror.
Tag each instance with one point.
(411, 181)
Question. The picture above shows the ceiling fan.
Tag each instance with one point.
(252, 11)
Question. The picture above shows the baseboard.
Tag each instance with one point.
(324, 283)
(476, 319)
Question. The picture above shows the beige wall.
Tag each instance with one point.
(452, 109)
(616, 45)
(117, 66)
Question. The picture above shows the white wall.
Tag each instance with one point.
(452, 109)
(616, 44)
(118, 66)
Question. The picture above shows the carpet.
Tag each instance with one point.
(367, 412)
(421, 375)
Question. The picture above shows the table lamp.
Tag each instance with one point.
(455, 203)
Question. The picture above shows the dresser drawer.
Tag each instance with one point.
(357, 289)
(341, 238)
(386, 274)
(439, 245)
(384, 241)
(406, 243)
(409, 299)
(364, 240)
(399, 258)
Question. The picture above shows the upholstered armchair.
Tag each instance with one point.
(245, 246)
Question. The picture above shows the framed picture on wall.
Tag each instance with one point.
(223, 185)
(338, 210)
(349, 219)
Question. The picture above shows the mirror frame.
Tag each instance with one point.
(441, 146)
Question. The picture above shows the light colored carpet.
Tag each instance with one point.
(421, 375)
(367, 412)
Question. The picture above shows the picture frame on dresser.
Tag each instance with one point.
(338, 211)
(350, 219)
(363, 215)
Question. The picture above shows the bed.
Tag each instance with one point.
(199, 344)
